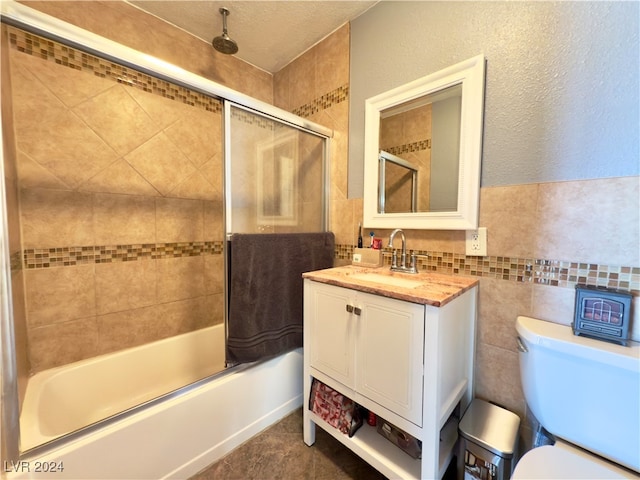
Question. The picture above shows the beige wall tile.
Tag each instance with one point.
(194, 186)
(52, 218)
(432, 240)
(127, 328)
(214, 274)
(499, 305)
(34, 175)
(163, 111)
(125, 285)
(595, 221)
(509, 214)
(302, 79)
(498, 377)
(212, 172)
(59, 344)
(213, 222)
(343, 223)
(184, 316)
(179, 220)
(118, 118)
(58, 295)
(281, 92)
(214, 310)
(71, 88)
(119, 177)
(180, 278)
(161, 163)
(123, 219)
(197, 134)
(332, 67)
(553, 304)
(54, 136)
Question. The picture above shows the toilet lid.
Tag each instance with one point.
(554, 462)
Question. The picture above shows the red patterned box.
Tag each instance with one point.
(334, 408)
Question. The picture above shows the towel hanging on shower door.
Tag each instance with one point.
(266, 288)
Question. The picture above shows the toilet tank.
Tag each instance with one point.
(582, 390)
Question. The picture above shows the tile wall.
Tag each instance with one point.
(120, 183)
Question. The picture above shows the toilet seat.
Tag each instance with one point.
(563, 461)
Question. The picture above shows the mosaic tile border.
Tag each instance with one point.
(556, 273)
(70, 57)
(409, 147)
(255, 119)
(34, 258)
(334, 97)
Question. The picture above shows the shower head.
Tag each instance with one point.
(223, 43)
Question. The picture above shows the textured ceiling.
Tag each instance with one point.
(270, 34)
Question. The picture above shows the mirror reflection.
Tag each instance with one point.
(420, 150)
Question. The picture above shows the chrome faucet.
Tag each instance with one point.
(403, 255)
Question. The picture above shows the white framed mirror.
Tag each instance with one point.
(433, 124)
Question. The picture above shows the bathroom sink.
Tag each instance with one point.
(387, 280)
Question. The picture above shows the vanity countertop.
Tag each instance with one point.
(425, 288)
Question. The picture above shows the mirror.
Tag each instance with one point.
(423, 147)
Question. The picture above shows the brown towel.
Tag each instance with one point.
(265, 291)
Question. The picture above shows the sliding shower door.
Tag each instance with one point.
(275, 175)
(120, 187)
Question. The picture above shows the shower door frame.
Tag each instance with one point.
(228, 194)
(33, 21)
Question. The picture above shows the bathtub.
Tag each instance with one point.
(61, 400)
(172, 438)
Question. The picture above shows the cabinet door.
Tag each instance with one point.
(390, 344)
(331, 325)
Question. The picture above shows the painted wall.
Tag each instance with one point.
(561, 87)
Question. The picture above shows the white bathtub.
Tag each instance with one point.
(174, 438)
(64, 399)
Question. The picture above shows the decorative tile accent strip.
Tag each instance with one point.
(250, 118)
(66, 56)
(70, 256)
(555, 273)
(327, 100)
(409, 147)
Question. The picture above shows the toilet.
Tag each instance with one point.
(586, 393)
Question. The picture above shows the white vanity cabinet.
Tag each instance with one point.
(363, 341)
(409, 363)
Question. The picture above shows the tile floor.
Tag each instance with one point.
(280, 453)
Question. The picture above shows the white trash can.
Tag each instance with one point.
(487, 443)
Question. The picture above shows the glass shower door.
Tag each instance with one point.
(275, 175)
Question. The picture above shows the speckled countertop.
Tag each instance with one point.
(424, 288)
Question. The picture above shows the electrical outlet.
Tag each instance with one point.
(476, 242)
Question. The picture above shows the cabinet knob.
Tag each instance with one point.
(357, 310)
(350, 308)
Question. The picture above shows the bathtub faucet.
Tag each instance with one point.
(403, 256)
